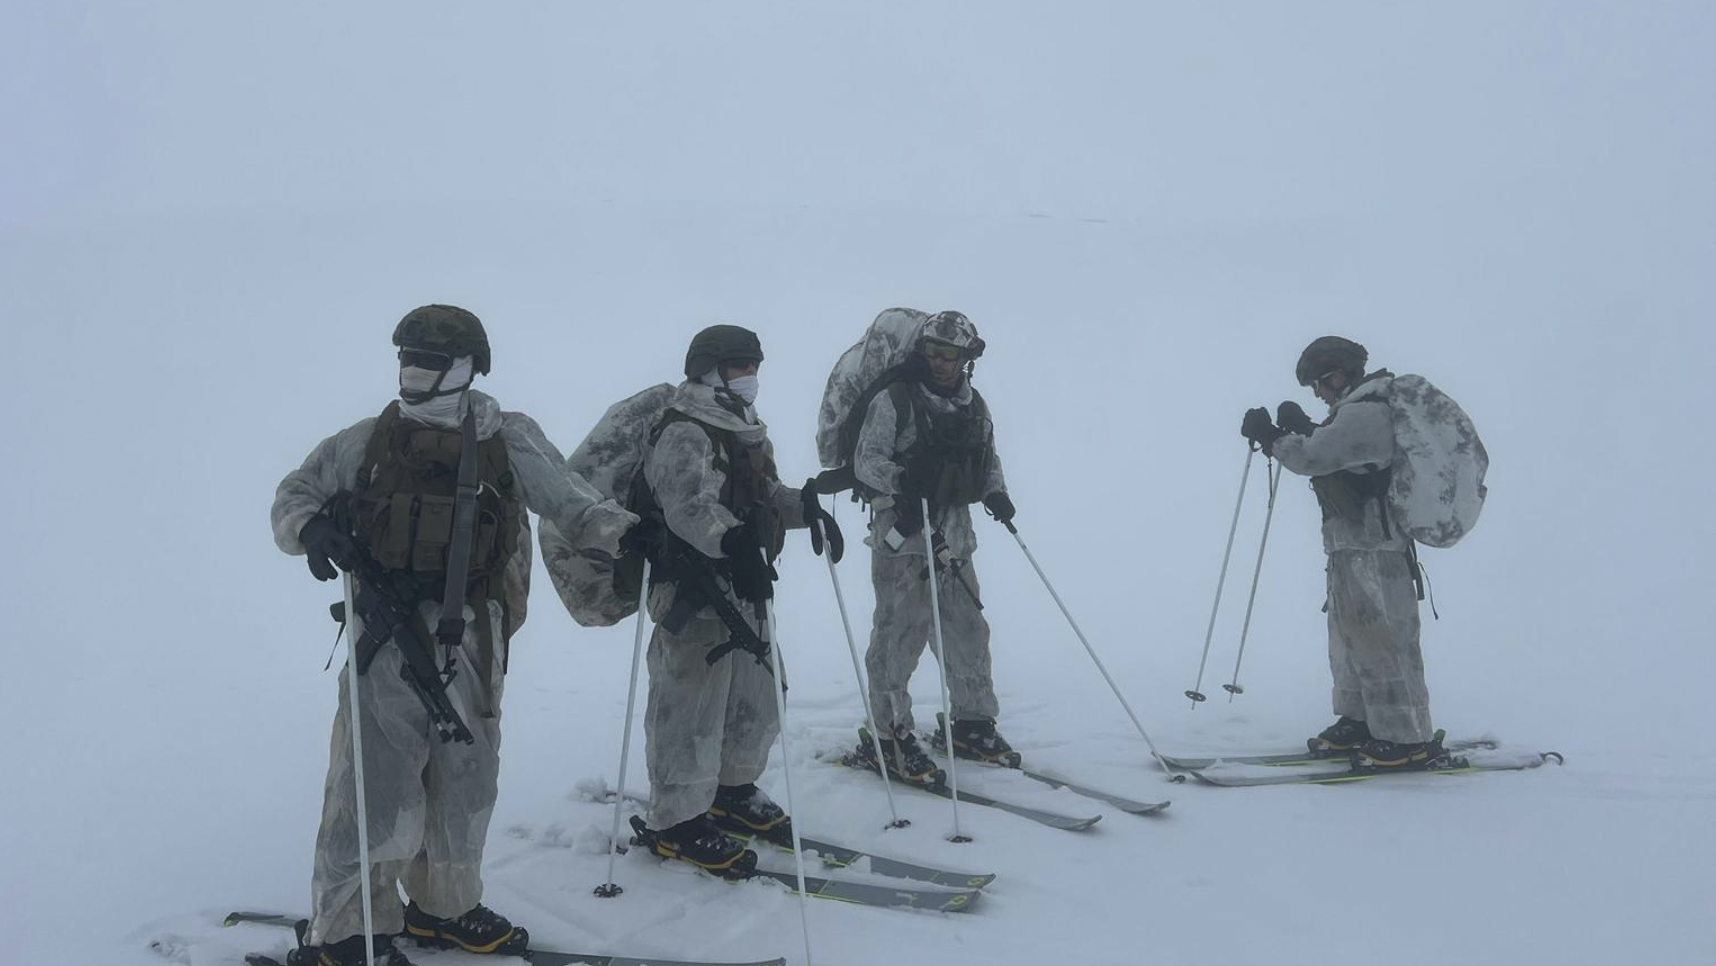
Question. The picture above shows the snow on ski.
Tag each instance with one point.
(1299, 757)
(1242, 776)
(840, 856)
(535, 957)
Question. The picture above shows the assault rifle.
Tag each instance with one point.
(699, 586)
(386, 604)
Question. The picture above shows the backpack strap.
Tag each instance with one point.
(380, 441)
(723, 441)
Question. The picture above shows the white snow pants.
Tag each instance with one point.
(706, 724)
(428, 802)
(901, 629)
(1373, 644)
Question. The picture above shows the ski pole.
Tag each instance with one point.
(864, 695)
(1090, 650)
(1245, 629)
(941, 666)
(767, 614)
(357, 769)
(610, 888)
(1196, 693)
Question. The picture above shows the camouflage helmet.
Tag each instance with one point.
(1328, 354)
(954, 329)
(447, 329)
(721, 344)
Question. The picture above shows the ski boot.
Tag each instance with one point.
(481, 930)
(977, 740)
(700, 842)
(905, 759)
(1407, 756)
(346, 952)
(745, 810)
(1341, 738)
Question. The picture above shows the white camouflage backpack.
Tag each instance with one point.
(599, 590)
(858, 375)
(1437, 488)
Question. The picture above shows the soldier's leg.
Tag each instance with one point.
(752, 721)
(685, 726)
(395, 750)
(965, 641)
(462, 781)
(1348, 695)
(1377, 607)
(899, 631)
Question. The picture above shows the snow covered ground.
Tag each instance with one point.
(211, 216)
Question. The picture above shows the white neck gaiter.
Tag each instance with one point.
(446, 407)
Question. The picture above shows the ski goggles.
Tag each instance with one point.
(1322, 381)
(942, 352)
(424, 359)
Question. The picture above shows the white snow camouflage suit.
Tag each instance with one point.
(705, 725)
(1372, 601)
(900, 629)
(428, 802)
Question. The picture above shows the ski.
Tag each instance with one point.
(1132, 806)
(842, 890)
(1070, 823)
(1298, 757)
(536, 957)
(841, 856)
(1349, 773)
(1128, 805)
(870, 894)
(835, 855)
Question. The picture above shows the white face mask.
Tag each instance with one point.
(745, 387)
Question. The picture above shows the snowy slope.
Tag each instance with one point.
(214, 215)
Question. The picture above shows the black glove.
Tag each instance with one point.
(908, 515)
(1259, 429)
(643, 538)
(326, 546)
(753, 575)
(821, 524)
(830, 482)
(1000, 506)
(1292, 418)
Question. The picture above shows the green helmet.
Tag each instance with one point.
(1328, 354)
(721, 344)
(447, 329)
